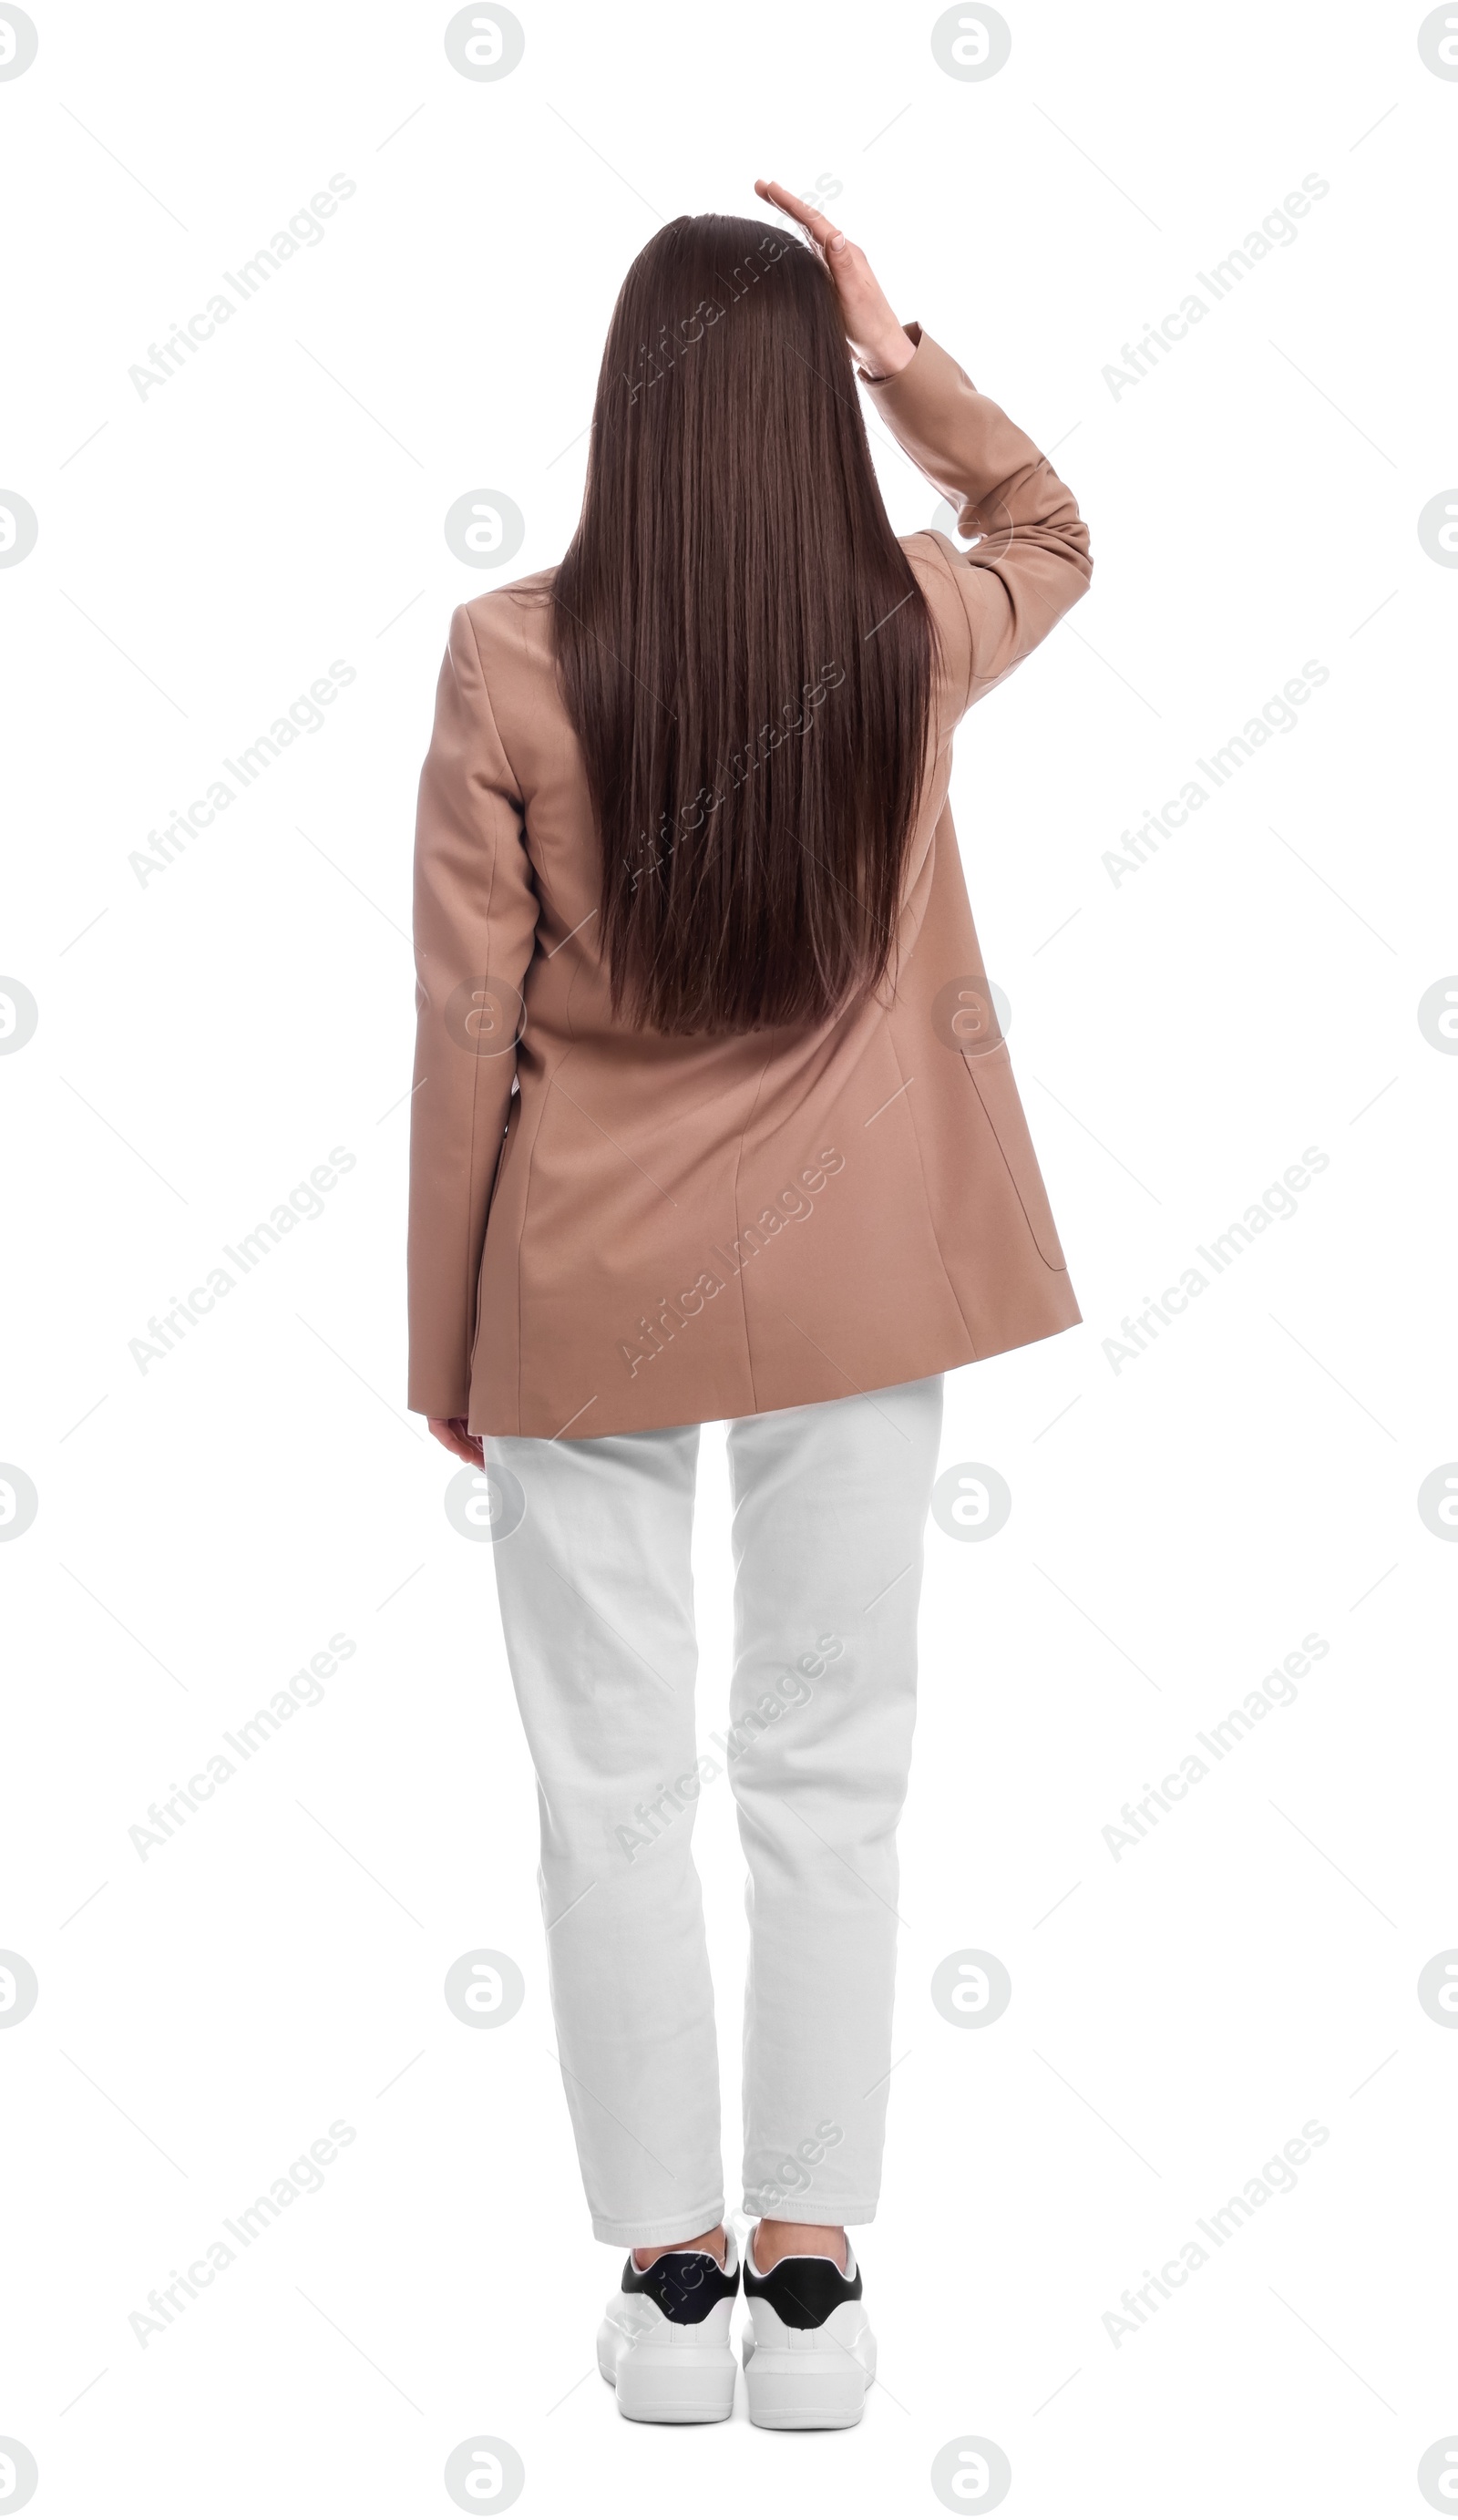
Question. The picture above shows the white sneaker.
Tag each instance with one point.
(808, 2353)
(664, 2342)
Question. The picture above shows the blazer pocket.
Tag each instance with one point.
(991, 1071)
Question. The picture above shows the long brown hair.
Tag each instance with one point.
(742, 646)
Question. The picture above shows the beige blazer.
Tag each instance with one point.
(613, 1229)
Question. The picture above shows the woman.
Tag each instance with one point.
(712, 1119)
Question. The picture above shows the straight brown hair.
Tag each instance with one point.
(742, 646)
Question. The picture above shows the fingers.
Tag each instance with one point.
(453, 1434)
(824, 231)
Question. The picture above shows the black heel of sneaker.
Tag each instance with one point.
(808, 2353)
(664, 2343)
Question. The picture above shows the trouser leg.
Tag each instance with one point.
(597, 1604)
(830, 1506)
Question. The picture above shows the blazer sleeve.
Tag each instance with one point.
(475, 917)
(1032, 563)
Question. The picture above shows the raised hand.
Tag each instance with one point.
(880, 345)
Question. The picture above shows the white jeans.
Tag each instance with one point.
(596, 1593)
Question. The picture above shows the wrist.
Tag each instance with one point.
(888, 355)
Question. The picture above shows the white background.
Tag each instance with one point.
(1181, 1037)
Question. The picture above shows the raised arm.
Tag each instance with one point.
(999, 599)
(476, 916)
(1032, 563)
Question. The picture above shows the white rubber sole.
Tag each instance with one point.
(666, 2374)
(807, 2380)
